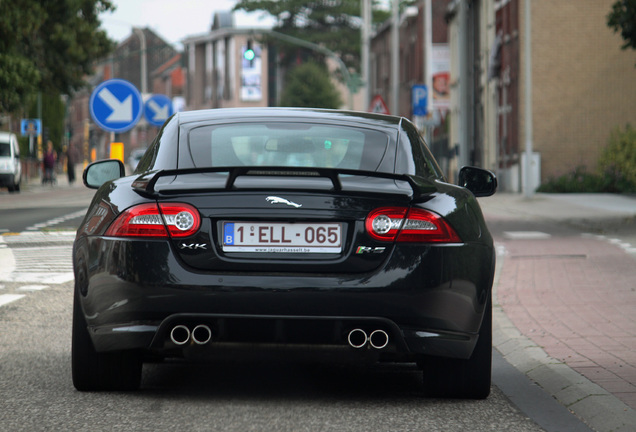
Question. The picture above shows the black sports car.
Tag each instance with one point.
(293, 230)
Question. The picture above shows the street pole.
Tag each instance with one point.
(428, 70)
(343, 68)
(395, 58)
(528, 187)
(143, 59)
(365, 55)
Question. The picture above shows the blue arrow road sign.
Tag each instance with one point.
(116, 105)
(419, 97)
(157, 109)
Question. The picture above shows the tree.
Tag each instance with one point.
(334, 24)
(622, 19)
(308, 85)
(48, 46)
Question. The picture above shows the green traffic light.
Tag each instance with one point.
(249, 54)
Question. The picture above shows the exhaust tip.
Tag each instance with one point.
(379, 339)
(201, 334)
(180, 335)
(357, 338)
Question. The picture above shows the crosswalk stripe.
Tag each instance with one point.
(8, 298)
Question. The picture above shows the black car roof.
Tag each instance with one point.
(288, 113)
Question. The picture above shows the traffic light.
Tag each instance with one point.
(249, 53)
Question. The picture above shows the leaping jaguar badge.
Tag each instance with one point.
(279, 200)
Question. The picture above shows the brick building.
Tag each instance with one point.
(583, 85)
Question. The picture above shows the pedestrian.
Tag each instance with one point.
(48, 163)
(70, 163)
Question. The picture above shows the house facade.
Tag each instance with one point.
(228, 67)
(582, 86)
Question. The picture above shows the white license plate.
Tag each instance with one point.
(282, 237)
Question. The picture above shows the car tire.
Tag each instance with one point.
(458, 378)
(93, 371)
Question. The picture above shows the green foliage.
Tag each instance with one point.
(622, 19)
(333, 24)
(579, 181)
(48, 46)
(308, 85)
(52, 116)
(616, 171)
(619, 157)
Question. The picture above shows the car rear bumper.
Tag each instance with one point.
(421, 311)
(7, 179)
(267, 332)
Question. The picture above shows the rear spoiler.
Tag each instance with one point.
(145, 184)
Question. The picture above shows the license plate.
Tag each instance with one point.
(275, 237)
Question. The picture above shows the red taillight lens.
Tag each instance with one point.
(412, 226)
(146, 220)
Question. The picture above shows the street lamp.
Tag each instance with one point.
(144, 61)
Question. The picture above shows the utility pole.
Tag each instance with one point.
(366, 50)
(143, 59)
(343, 68)
(528, 187)
(395, 58)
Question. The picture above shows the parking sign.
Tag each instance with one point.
(419, 98)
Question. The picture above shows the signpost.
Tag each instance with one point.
(378, 105)
(158, 109)
(419, 100)
(116, 105)
(31, 128)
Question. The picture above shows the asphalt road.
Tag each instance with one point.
(251, 395)
(37, 393)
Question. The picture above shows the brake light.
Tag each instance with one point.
(148, 220)
(409, 226)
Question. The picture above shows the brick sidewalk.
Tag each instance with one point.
(575, 296)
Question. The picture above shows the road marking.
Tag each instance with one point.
(33, 287)
(37, 258)
(57, 220)
(526, 235)
(8, 298)
(627, 247)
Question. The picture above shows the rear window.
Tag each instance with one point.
(5, 150)
(287, 145)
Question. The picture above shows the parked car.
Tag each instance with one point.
(294, 230)
(10, 166)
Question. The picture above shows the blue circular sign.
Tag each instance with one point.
(158, 109)
(116, 105)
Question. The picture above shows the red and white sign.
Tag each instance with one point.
(378, 105)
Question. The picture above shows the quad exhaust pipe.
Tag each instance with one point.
(201, 334)
(358, 338)
(181, 334)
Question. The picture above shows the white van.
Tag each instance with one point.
(10, 167)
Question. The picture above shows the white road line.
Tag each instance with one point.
(32, 287)
(57, 220)
(46, 259)
(8, 298)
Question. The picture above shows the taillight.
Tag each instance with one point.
(412, 226)
(147, 220)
